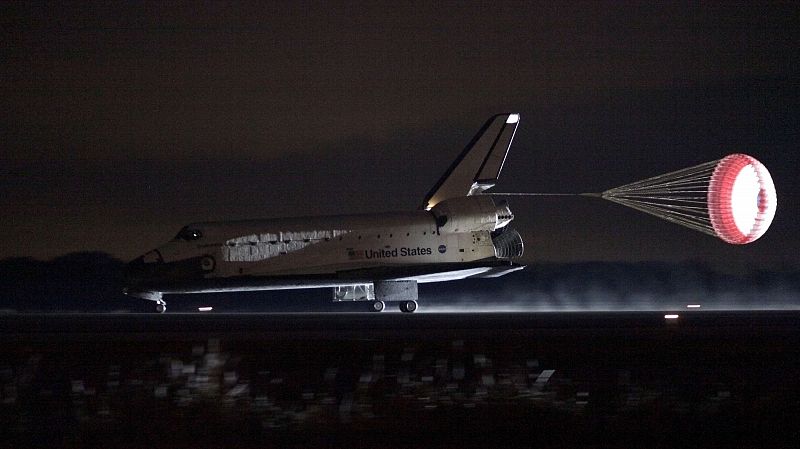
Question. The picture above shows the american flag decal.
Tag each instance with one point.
(355, 254)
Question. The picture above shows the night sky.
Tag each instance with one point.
(120, 123)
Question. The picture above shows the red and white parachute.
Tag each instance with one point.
(732, 198)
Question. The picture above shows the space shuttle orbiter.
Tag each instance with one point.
(376, 258)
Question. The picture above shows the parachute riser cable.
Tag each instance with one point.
(597, 195)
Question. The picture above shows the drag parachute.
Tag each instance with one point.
(732, 198)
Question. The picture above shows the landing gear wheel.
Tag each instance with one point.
(377, 306)
(408, 306)
(161, 307)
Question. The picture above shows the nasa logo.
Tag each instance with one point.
(442, 249)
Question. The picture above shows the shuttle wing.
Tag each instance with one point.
(478, 166)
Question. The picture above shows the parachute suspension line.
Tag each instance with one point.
(680, 197)
(691, 175)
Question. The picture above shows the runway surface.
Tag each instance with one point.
(391, 380)
(152, 325)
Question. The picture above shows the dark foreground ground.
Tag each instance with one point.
(521, 380)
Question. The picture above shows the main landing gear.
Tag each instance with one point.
(408, 306)
(377, 306)
(405, 306)
(376, 294)
(161, 306)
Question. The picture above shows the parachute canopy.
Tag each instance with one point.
(732, 198)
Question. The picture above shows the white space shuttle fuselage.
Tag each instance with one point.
(456, 234)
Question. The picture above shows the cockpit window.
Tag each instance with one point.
(189, 234)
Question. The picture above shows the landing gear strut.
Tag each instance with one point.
(408, 306)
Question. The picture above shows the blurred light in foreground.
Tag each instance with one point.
(205, 309)
(671, 317)
(693, 306)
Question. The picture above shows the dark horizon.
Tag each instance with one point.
(94, 282)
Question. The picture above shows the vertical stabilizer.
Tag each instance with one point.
(478, 166)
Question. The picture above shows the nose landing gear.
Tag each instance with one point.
(158, 297)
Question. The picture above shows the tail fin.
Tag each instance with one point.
(478, 166)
